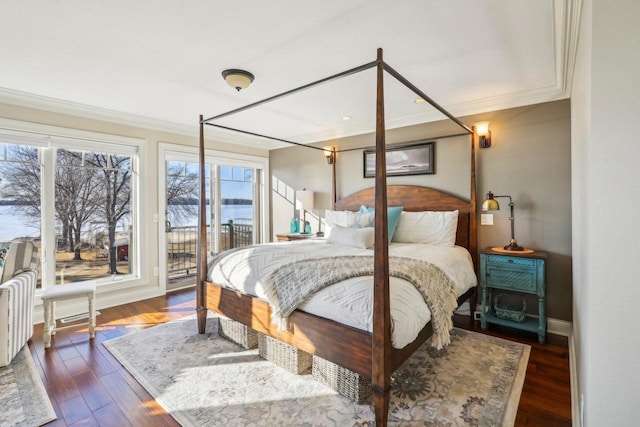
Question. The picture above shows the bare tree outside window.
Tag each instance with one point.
(20, 180)
(77, 199)
(182, 192)
(114, 199)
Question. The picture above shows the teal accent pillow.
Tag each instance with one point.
(393, 216)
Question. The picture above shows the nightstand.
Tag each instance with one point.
(295, 236)
(517, 273)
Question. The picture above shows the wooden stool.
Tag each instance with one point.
(64, 292)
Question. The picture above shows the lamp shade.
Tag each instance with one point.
(490, 204)
(482, 128)
(304, 200)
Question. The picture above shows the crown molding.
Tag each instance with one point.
(55, 105)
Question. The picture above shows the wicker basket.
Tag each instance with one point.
(238, 333)
(510, 312)
(347, 383)
(284, 355)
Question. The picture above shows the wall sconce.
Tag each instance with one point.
(490, 204)
(237, 79)
(482, 129)
(330, 154)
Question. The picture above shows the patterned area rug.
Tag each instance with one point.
(207, 380)
(23, 398)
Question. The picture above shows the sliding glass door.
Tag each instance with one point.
(234, 215)
(237, 207)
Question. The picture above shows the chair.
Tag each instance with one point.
(18, 278)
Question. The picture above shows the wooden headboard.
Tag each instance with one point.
(415, 198)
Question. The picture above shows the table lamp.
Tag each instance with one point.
(490, 204)
(304, 202)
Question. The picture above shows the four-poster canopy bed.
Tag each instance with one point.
(370, 354)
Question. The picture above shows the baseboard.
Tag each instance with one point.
(103, 300)
(576, 415)
(559, 327)
(554, 326)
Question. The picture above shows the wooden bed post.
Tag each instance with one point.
(381, 348)
(201, 251)
(334, 194)
(473, 222)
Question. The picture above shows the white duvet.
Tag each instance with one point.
(349, 302)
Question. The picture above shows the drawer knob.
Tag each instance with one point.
(510, 261)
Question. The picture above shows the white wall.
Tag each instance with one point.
(605, 114)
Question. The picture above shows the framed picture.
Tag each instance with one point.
(412, 158)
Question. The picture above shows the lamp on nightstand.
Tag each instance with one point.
(491, 204)
(304, 202)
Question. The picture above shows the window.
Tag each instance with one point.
(93, 215)
(77, 199)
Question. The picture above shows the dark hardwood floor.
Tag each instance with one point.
(88, 387)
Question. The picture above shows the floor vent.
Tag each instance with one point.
(81, 316)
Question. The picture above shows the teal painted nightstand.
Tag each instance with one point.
(514, 272)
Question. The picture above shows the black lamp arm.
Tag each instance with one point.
(511, 217)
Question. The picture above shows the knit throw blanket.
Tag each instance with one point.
(291, 284)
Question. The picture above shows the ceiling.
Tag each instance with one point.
(158, 63)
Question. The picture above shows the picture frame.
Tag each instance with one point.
(410, 158)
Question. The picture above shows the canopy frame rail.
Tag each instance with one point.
(386, 67)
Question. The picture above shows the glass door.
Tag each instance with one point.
(238, 207)
(181, 219)
(233, 211)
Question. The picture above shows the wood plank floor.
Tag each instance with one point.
(88, 387)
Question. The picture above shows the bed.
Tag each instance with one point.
(368, 353)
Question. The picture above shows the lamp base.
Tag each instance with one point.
(513, 246)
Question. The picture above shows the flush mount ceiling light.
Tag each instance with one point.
(237, 79)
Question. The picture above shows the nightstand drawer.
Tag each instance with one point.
(511, 278)
(508, 260)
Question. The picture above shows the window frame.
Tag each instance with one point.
(49, 138)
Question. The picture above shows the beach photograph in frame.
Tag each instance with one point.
(412, 158)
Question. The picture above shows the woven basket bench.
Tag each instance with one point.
(284, 355)
(349, 384)
(238, 333)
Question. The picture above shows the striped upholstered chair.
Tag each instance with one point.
(18, 277)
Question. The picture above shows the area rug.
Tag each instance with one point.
(205, 380)
(23, 398)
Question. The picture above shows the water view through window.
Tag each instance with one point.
(235, 224)
(91, 204)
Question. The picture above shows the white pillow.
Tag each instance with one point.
(333, 218)
(348, 219)
(336, 217)
(431, 227)
(357, 237)
(361, 219)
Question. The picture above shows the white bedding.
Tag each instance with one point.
(349, 302)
